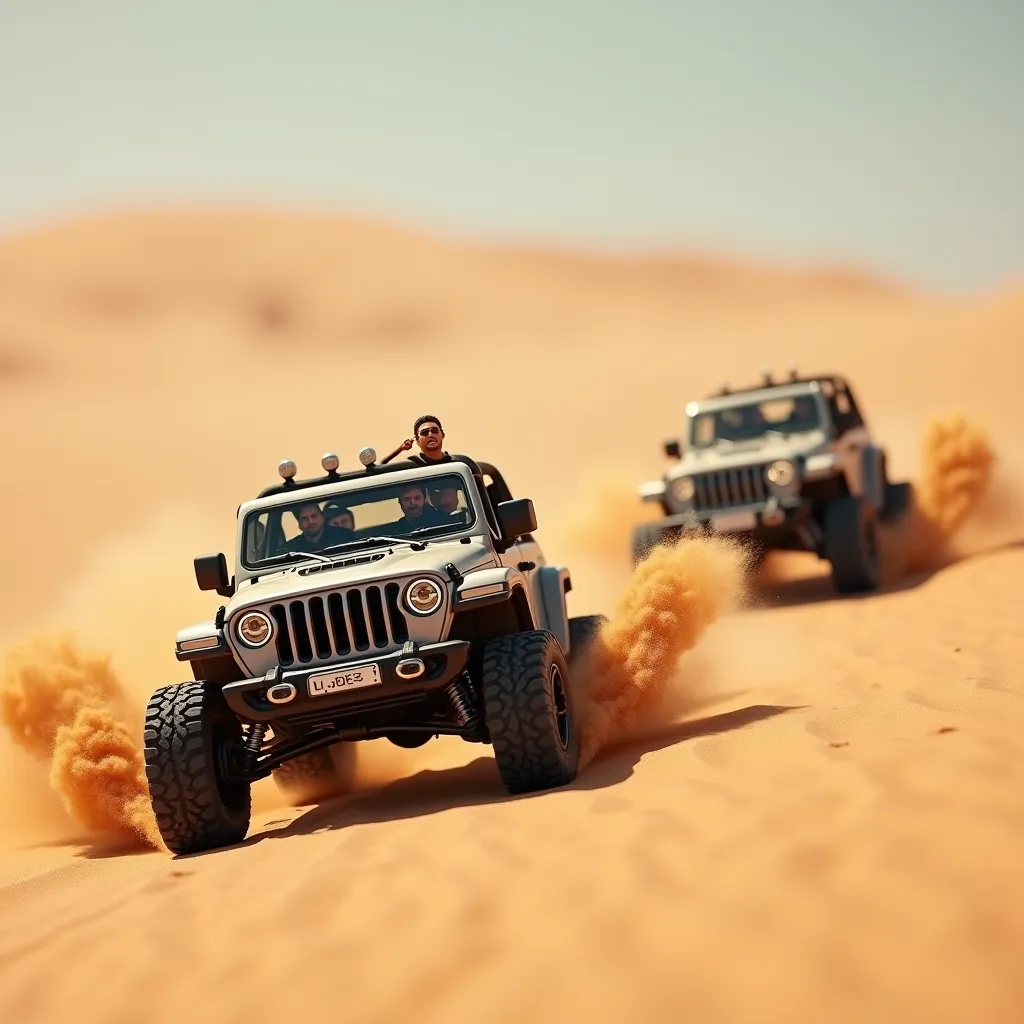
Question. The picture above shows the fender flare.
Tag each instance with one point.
(555, 583)
(872, 466)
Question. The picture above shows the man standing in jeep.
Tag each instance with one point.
(430, 437)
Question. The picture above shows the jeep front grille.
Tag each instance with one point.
(725, 488)
(325, 626)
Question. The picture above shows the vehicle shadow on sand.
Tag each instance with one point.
(766, 593)
(478, 784)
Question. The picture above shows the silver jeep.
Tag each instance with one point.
(432, 611)
(786, 465)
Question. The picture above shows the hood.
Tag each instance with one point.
(375, 564)
(756, 451)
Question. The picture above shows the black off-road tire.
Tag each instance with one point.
(318, 775)
(529, 716)
(852, 545)
(898, 499)
(188, 726)
(583, 629)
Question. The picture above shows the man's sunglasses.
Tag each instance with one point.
(426, 431)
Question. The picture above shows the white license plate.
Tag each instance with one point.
(348, 679)
(731, 522)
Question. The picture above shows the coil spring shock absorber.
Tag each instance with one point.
(460, 693)
(253, 743)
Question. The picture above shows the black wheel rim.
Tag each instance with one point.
(561, 706)
(231, 792)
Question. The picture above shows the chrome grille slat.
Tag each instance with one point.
(386, 612)
(357, 618)
(291, 631)
(346, 618)
(727, 488)
(747, 482)
(364, 618)
(331, 631)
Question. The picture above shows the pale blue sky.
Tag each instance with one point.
(887, 134)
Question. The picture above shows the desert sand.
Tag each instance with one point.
(794, 807)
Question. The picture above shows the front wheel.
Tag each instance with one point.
(851, 545)
(529, 717)
(189, 733)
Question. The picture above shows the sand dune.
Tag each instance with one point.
(815, 813)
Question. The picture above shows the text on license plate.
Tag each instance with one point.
(728, 522)
(349, 679)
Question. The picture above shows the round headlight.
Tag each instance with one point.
(683, 488)
(254, 629)
(782, 474)
(423, 597)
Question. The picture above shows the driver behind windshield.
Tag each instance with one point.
(418, 512)
(805, 414)
(316, 532)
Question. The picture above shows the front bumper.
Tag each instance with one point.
(784, 515)
(442, 663)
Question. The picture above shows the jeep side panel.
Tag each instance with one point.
(872, 475)
(554, 582)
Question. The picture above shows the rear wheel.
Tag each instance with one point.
(525, 684)
(189, 735)
(851, 545)
(318, 775)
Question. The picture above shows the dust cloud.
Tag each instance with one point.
(674, 595)
(953, 485)
(69, 711)
(634, 677)
(66, 707)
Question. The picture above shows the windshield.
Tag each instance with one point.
(418, 511)
(756, 419)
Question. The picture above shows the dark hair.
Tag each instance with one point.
(297, 509)
(420, 420)
(413, 487)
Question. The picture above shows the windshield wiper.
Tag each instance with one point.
(303, 555)
(430, 529)
(385, 539)
(350, 544)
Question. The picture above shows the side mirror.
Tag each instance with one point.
(212, 574)
(673, 450)
(516, 518)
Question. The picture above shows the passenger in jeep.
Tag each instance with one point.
(446, 500)
(418, 512)
(316, 533)
(338, 515)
